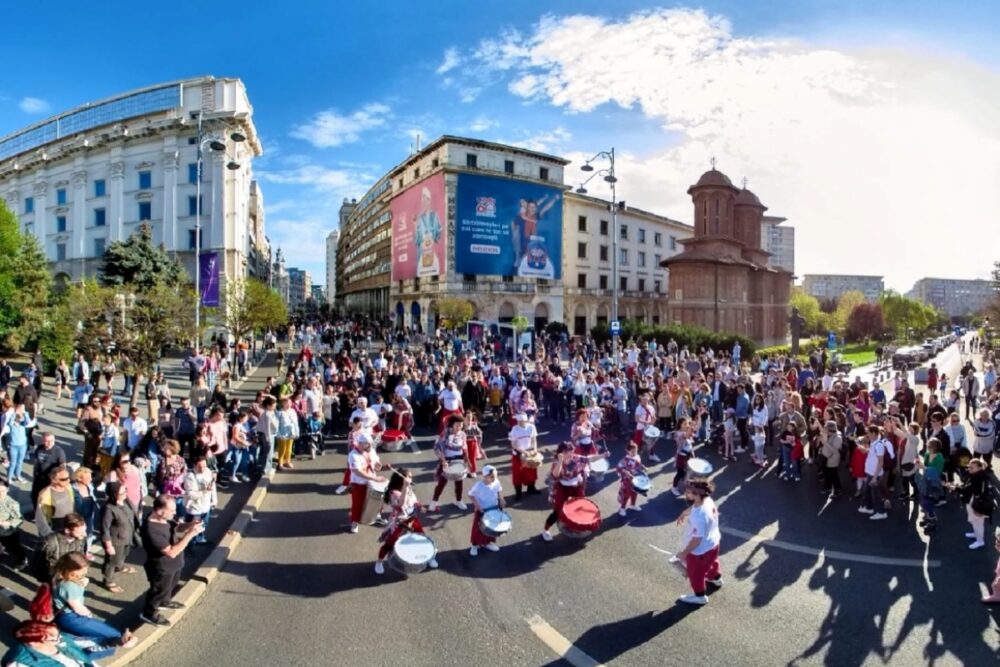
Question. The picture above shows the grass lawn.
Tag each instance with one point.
(859, 354)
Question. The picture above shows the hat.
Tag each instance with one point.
(488, 470)
(364, 439)
(521, 417)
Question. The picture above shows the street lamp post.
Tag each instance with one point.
(612, 180)
(216, 145)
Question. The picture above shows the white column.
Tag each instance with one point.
(78, 217)
(170, 164)
(116, 207)
(41, 193)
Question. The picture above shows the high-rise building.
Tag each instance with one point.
(299, 287)
(829, 286)
(957, 298)
(332, 240)
(92, 175)
(279, 277)
(259, 251)
(317, 294)
(779, 240)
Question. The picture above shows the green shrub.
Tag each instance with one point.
(695, 338)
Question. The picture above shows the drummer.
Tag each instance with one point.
(645, 416)
(449, 448)
(582, 434)
(628, 468)
(450, 403)
(684, 436)
(403, 503)
(523, 442)
(486, 494)
(364, 465)
(568, 477)
(474, 440)
(352, 444)
(403, 415)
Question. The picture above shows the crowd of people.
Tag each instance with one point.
(888, 442)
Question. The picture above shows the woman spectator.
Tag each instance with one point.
(17, 425)
(977, 496)
(62, 379)
(10, 527)
(119, 531)
(72, 615)
(165, 416)
(40, 643)
(288, 432)
(123, 471)
(199, 395)
(170, 475)
(85, 502)
(199, 495)
(984, 432)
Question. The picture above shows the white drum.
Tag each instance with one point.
(641, 483)
(412, 553)
(496, 523)
(651, 433)
(600, 466)
(456, 471)
(373, 501)
(698, 468)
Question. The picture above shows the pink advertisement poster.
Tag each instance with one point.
(418, 230)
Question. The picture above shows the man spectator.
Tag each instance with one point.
(81, 370)
(56, 502)
(183, 423)
(970, 387)
(48, 457)
(72, 537)
(135, 427)
(164, 541)
(26, 395)
(6, 373)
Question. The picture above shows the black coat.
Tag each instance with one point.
(119, 524)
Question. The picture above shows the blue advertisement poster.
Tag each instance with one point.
(507, 228)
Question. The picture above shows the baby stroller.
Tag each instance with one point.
(717, 437)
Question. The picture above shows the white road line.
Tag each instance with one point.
(835, 555)
(559, 644)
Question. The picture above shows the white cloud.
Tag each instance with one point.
(482, 123)
(547, 141)
(871, 154)
(450, 62)
(328, 129)
(334, 182)
(34, 105)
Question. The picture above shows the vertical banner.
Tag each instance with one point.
(508, 227)
(419, 233)
(208, 270)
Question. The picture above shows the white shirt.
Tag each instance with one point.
(644, 416)
(369, 419)
(486, 494)
(136, 428)
(403, 390)
(703, 522)
(875, 453)
(361, 461)
(450, 399)
(521, 437)
(314, 401)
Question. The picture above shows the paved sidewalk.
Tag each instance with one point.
(120, 610)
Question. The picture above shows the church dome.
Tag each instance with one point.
(715, 178)
(747, 198)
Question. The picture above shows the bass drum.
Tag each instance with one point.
(412, 553)
(579, 518)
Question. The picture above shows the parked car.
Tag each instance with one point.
(906, 358)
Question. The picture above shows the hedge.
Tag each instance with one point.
(694, 338)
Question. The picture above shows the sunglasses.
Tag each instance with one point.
(62, 479)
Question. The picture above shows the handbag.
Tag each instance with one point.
(984, 504)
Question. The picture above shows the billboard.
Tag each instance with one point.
(507, 227)
(208, 268)
(419, 233)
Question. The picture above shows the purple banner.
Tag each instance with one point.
(208, 270)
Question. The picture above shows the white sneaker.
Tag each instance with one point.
(341, 490)
(379, 567)
(717, 582)
(654, 458)
(634, 508)
(739, 450)
(878, 517)
(693, 599)
(971, 536)
(547, 536)
(493, 546)
(622, 512)
(354, 528)
(433, 507)
(677, 492)
(474, 551)
(460, 505)
(978, 544)
(866, 510)
(432, 563)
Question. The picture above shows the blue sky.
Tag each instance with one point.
(849, 118)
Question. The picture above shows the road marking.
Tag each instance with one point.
(559, 644)
(922, 563)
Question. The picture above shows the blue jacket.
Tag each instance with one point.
(21, 654)
(742, 406)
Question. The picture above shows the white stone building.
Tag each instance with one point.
(957, 298)
(90, 176)
(779, 240)
(644, 240)
(831, 286)
(332, 239)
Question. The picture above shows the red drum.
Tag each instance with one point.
(579, 518)
(393, 440)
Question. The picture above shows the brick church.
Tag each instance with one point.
(721, 280)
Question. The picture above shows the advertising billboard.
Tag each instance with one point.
(419, 234)
(507, 227)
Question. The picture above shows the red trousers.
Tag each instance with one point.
(627, 494)
(479, 538)
(473, 445)
(411, 526)
(560, 494)
(702, 568)
(439, 488)
(358, 493)
(521, 474)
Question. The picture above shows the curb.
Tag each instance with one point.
(191, 592)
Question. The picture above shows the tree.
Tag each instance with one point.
(519, 323)
(906, 316)
(25, 284)
(808, 308)
(138, 263)
(845, 306)
(454, 312)
(865, 322)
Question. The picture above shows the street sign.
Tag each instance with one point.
(616, 328)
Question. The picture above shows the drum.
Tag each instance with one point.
(456, 470)
(393, 440)
(580, 518)
(495, 523)
(641, 483)
(533, 460)
(650, 435)
(412, 553)
(599, 468)
(699, 468)
(373, 501)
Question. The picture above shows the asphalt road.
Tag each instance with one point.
(807, 583)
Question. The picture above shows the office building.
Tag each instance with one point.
(779, 240)
(299, 288)
(956, 298)
(332, 240)
(830, 286)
